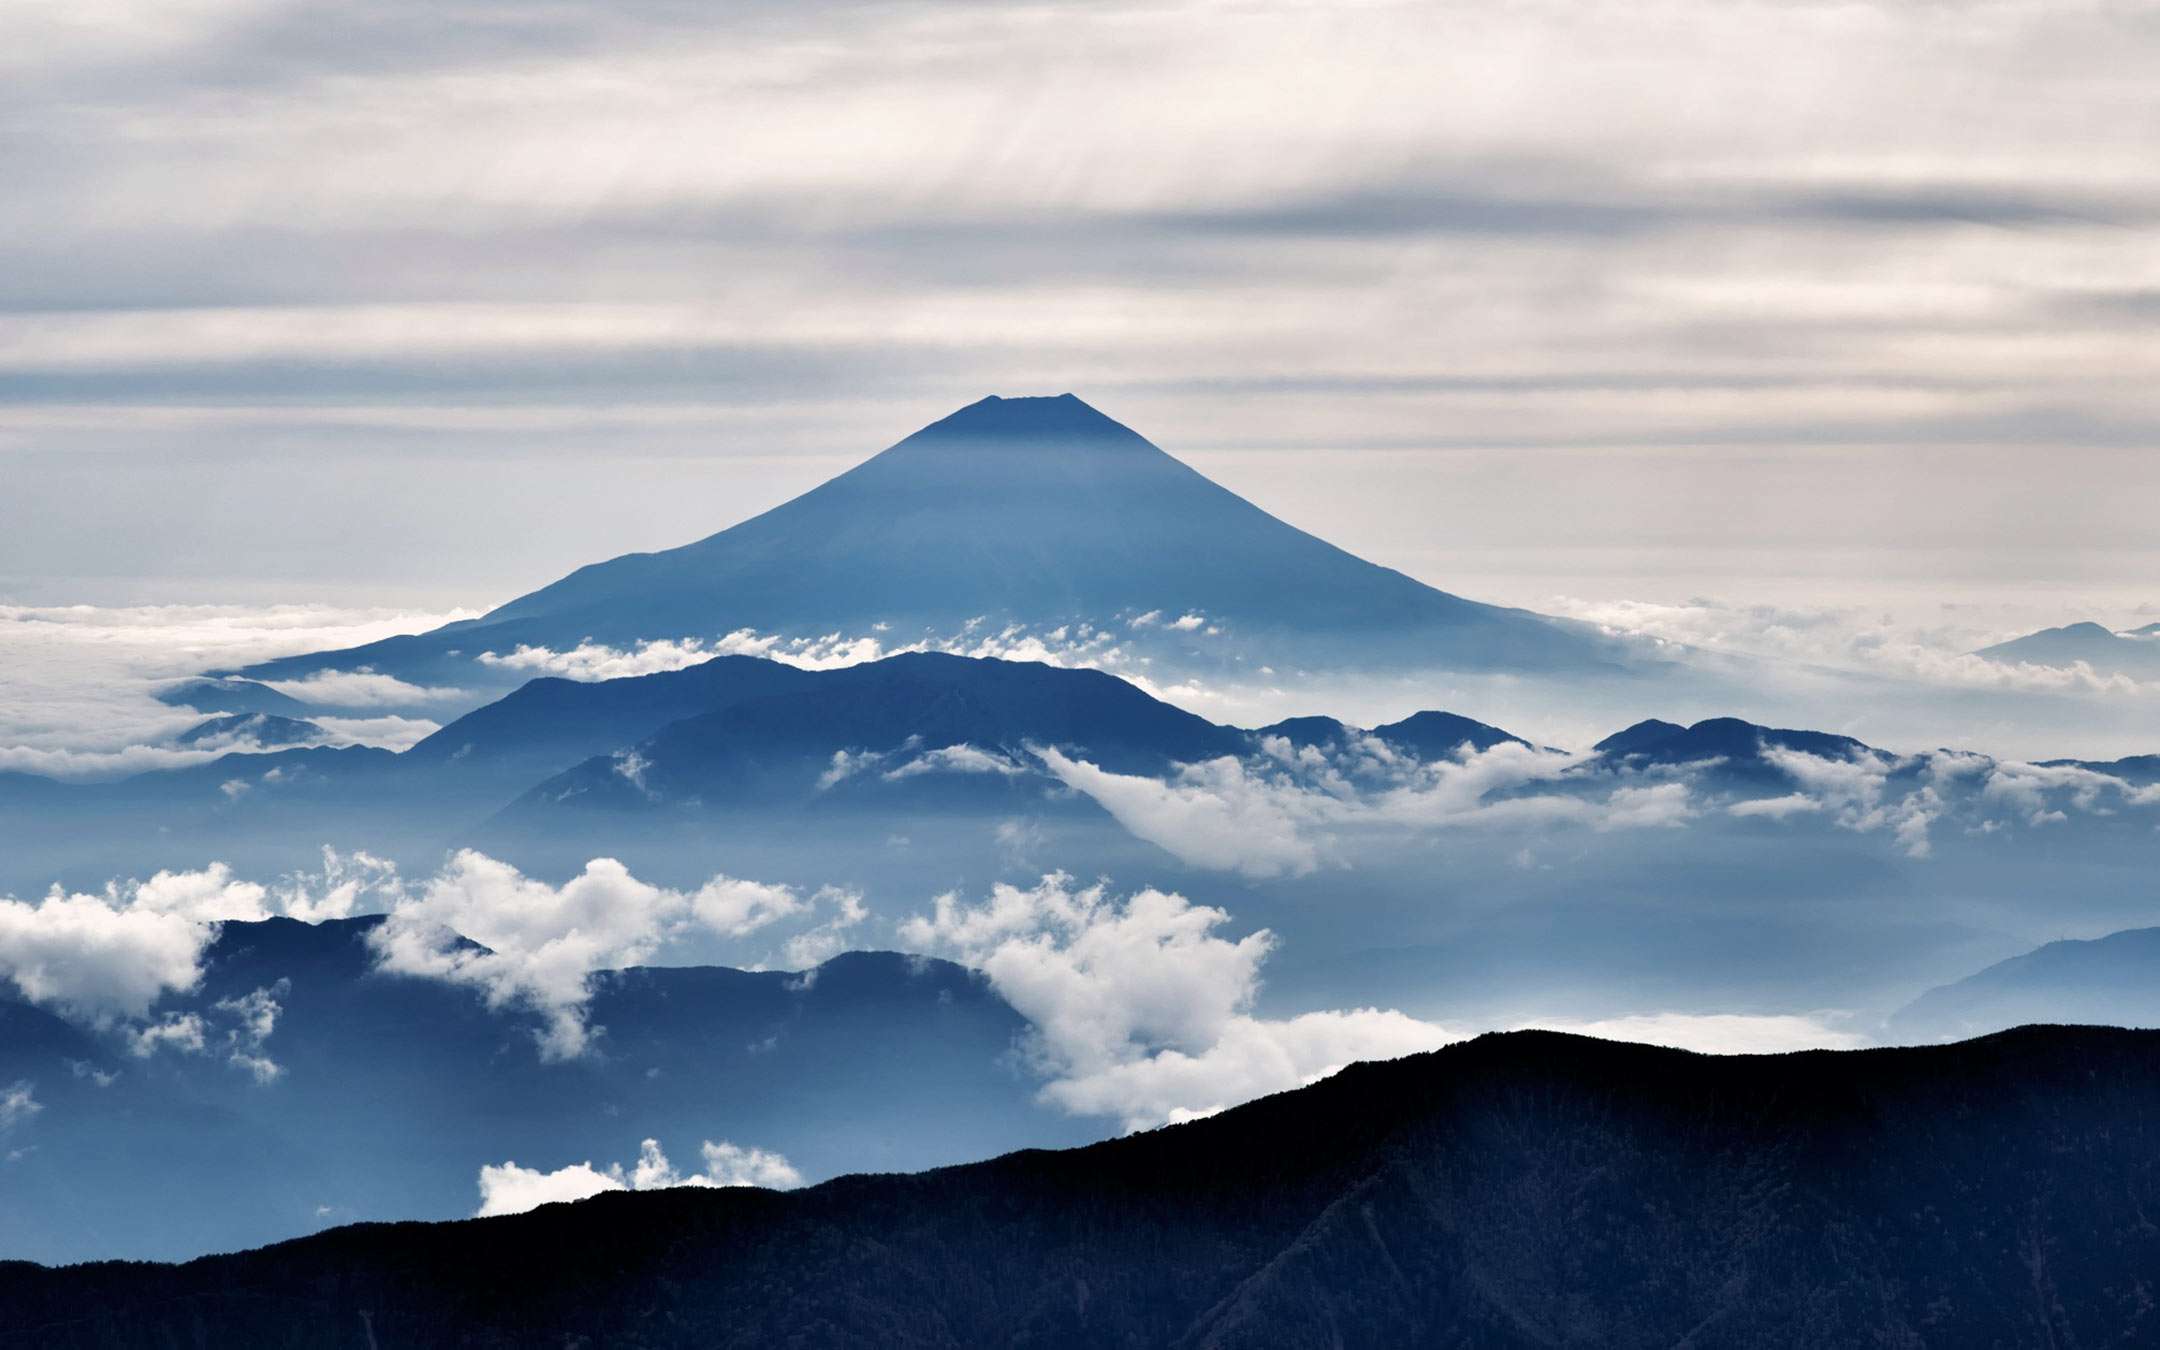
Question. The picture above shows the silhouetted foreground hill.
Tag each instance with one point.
(1529, 1189)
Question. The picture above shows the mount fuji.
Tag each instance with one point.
(1034, 511)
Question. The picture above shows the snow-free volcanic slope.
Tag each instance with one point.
(1039, 511)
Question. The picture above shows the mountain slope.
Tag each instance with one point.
(1528, 1189)
(2135, 653)
(1032, 510)
(780, 751)
(2112, 981)
(392, 1091)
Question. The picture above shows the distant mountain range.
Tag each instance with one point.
(1037, 511)
(391, 1092)
(2132, 652)
(1518, 1190)
(2113, 979)
(920, 734)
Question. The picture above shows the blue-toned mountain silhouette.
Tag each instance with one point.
(1033, 510)
(2112, 980)
(250, 731)
(393, 1091)
(2135, 653)
(1517, 1191)
(229, 696)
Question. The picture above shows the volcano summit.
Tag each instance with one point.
(1033, 511)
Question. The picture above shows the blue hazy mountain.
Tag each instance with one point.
(548, 725)
(2135, 653)
(1515, 1191)
(229, 695)
(2107, 981)
(1032, 510)
(1439, 735)
(251, 731)
(394, 1091)
(1733, 746)
(2143, 770)
(779, 751)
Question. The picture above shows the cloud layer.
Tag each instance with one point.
(506, 1188)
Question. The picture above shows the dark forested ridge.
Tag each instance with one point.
(1528, 1189)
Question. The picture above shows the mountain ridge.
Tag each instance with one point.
(1519, 1189)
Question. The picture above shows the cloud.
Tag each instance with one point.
(183, 1033)
(363, 688)
(1139, 1009)
(18, 1103)
(1776, 808)
(506, 1188)
(1843, 638)
(965, 759)
(1285, 811)
(539, 944)
(1718, 1033)
(97, 958)
(78, 682)
(254, 1016)
(1212, 814)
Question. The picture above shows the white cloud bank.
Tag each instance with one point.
(77, 682)
(541, 944)
(1140, 1010)
(506, 1188)
(107, 958)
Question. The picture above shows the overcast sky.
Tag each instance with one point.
(417, 302)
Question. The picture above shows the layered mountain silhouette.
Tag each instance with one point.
(955, 720)
(392, 1091)
(227, 695)
(250, 731)
(1519, 1190)
(2113, 980)
(2134, 653)
(1039, 511)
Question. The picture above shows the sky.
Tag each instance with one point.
(410, 303)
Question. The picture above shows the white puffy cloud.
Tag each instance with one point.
(540, 944)
(1212, 814)
(506, 1188)
(1284, 811)
(253, 1016)
(184, 1033)
(18, 1102)
(96, 957)
(1251, 1057)
(1139, 1009)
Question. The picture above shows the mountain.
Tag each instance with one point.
(897, 729)
(1438, 735)
(391, 1091)
(1519, 1190)
(2142, 770)
(549, 725)
(1038, 511)
(2109, 981)
(250, 731)
(229, 696)
(1730, 749)
(2135, 653)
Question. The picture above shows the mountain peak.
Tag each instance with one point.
(1028, 421)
